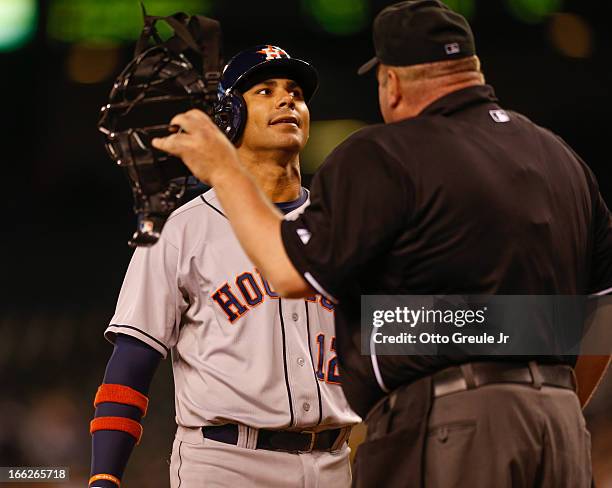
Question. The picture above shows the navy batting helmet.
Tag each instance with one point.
(249, 67)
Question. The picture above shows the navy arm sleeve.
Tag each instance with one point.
(360, 199)
(132, 363)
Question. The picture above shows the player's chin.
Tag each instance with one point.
(287, 130)
(290, 141)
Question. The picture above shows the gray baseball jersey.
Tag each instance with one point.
(240, 353)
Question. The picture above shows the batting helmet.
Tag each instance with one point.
(249, 67)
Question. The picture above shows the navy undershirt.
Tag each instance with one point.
(287, 207)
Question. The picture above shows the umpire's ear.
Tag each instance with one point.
(394, 88)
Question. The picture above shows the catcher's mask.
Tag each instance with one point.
(248, 68)
(162, 80)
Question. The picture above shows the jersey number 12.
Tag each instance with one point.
(327, 372)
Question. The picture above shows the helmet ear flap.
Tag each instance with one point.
(230, 115)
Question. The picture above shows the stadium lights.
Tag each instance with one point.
(112, 20)
(464, 7)
(571, 35)
(340, 17)
(533, 11)
(18, 19)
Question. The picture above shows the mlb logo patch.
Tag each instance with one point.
(304, 235)
(146, 226)
(452, 48)
(499, 116)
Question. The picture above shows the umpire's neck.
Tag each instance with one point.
(405, 91)
(277, 173)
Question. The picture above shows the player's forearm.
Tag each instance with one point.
(120, 405)
(110, 452)
(256, 224)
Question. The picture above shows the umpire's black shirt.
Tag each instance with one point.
(466, 198)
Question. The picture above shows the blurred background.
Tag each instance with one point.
(67, 209)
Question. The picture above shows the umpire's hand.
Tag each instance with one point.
(201, 145)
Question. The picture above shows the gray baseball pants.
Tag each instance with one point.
(508, 436)
(197, 462)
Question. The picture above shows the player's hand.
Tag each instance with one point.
(201, 145)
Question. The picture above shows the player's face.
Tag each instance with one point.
(277, 116)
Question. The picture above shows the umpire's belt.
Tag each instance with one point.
(473, 375)
(282, 440)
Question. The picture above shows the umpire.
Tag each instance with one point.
(453, 195)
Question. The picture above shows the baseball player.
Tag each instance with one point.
(258, 395)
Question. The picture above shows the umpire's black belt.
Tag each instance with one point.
(473, 375)
(279, 440)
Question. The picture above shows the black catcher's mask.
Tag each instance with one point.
(162, 80)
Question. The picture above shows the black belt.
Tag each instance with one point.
(277, 440)
(473, 375)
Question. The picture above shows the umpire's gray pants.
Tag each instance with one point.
(508, 436)
(203, 463)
